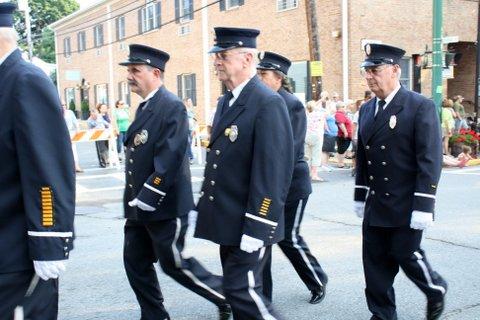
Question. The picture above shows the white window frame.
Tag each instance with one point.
(124, 92)
(285, 5)
(82, 41)
(69, 96)
(121, 28)
(101, 93)
(149, 22)
(229, 6)
(96, 35)
(67, 47)
(184, 12)
(187, 92)
(409, 77)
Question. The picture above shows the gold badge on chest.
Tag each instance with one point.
(140, 138)
(232, 133)
(393, 122)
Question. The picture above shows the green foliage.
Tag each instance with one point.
(85, 106)
(72, 106)
(43, 13)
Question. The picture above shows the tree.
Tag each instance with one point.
(43, 13)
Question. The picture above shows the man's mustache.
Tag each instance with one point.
(130, 83)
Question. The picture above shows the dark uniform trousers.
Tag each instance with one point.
(163, 241)
(297, 251)
(385, 249)
(243, 277)
(42, 304)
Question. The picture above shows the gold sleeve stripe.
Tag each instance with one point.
(46, 196)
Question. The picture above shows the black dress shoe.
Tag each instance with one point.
(435, 309)
(318, 295)
(224, 312)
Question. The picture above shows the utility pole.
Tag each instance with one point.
(437, 65)
(477, 73)
(23, 6)
(314, 39)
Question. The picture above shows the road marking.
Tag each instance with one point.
(464, 171)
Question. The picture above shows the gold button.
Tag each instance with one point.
(367, 147)
(214, 166)
(212, 183)
(65, 248)
(385, 179)
(66, 254)
(384, 163)
(130, 173)
(201, 193)
(217, 152)
(372, 192)
(371, 177)
(132, 149)
(131, 160)
(382, 147)
(211, 198)
(387, 194)
(369, 162)
(130, 186)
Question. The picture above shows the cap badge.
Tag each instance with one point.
(368, 49)
(148, 61)
(240, 43)
(232, 133)
(393, 122)
(141, 138)
(261, 55)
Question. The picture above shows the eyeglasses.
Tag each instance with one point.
(225, 55)
(373, 71)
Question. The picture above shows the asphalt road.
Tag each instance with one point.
(95, 285)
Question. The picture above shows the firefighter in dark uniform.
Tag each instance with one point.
(273, 69)
(37, 193)
(158, 192)
(247, 175)
(399, 160)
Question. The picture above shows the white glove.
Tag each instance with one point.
(49, 269)
(250, 244)
(359, 208)
(421, 220)
(142, 205)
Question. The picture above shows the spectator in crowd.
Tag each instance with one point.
(191, 126)
(314, 139)
(460, 122)
(324, 100)
(368, 95)
(358, 105)
(73, 127)
(344, 133)
(329, 137)
(448, 123)
(97, 121)
(335, 97)
(122, 119)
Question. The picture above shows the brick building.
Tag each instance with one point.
(91, 42)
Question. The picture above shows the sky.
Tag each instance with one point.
(86, 3)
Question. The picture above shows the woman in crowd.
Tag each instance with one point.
(344, 133)
(72, 126)
(122, 119)
(329, 137)
(314, 139)
(448, 123)
(99, 119)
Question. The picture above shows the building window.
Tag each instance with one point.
(98, 35)
(67, 48)
(124, 92)
(101, 93)
(186, 87)
(299, 78)
(82, 41)
(405, 77)
(183, 10)
(120, 27)
(230, 4)
(283, 5)
(149, 17)
(70, 98)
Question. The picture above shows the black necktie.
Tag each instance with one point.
(140, 108)
(381, 103)
(226, 102)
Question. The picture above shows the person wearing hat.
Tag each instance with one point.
(37, 194)
(399, 161)
(248, 173)
(273, 70)
(158, 192)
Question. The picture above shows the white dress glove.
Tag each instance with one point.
(359, 208)
(421, 220)
(142, 205)
(49, 269)
(250, 244)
